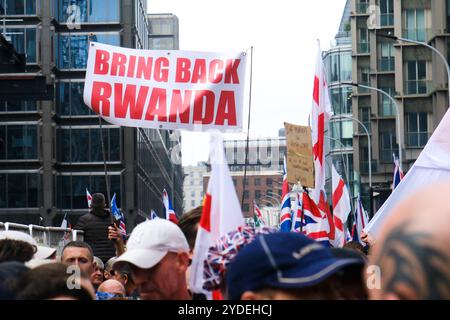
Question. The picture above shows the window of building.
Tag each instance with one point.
(257, 182)
(19, 190)
(389, 146)
(72, 50)
(24, 41)
(88, 11)
(18, 142)
(18, 106)
(71, 189)
(84, 144)
(257, 194)
(414, 24)
(70, 99)
(192, 194)
(18, 7)
(416, 75)
(246, 194)
(364, 44)
(166, 43)
(269, 182)
(386, 12)
(341, 99)
(192, 203)
(387, 108)
(387, 60)
(246, 207)
(417, 129)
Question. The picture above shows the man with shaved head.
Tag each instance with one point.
(110, 289)
(413, 248)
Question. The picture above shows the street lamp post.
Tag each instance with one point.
(369, 149)
(347, 172)
(429, 47)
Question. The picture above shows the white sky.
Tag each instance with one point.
(284, 36)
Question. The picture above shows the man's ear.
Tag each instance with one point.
(183, 261)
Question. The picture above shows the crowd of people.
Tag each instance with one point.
(410, 259)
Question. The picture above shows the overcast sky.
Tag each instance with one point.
(284, 36)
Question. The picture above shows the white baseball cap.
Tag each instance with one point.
(41, 251)
(150, 242)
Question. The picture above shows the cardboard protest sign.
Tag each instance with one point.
(300, 164)
(171, 90)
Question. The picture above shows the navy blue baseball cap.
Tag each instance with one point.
(282, 260)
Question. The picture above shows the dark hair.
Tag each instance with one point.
(78, 244)
(355, 245)
(189, 225)
(98, 200)
(16, 250)
(49, 281)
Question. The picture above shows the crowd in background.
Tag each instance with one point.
(410, 259)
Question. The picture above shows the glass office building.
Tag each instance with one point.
(51, 151)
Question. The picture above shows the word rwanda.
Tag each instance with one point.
(166, 89)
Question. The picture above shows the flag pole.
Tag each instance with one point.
(303, 212)
(108, 192)
(248, 128)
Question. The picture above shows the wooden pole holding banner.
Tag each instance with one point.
(248, 128)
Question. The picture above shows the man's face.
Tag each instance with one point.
(80, 257)
(164, 281)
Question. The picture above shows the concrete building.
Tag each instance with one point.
(51, 150)
(164, 31)
(264, 178)
(411, 73)
(193, 186)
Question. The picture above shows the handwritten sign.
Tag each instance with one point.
(300, 165)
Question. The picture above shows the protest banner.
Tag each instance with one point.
(166, 89)
(300, 165)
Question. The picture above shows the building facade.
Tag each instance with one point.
(193, 186)
(339, 138)
(410, 73)
(52, 150)
(264, 178)
(164, 31)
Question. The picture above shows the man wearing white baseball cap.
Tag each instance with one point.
(158, 256)
(40, 252)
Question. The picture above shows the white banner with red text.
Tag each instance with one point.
(166, 89)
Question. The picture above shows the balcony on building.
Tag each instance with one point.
(386, 19)
(418, 87)
(417, 34)
(386, 64)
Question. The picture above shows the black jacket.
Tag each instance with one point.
(95, 226)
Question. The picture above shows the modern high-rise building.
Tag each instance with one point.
(51, 150)
(339, 137)
(412, 74)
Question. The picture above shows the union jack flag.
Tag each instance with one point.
(170, 213)
(398, 173)
(285, 214)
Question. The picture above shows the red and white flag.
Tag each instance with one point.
(221, 212)
(89, 198)
(341, 208)
(320, 114)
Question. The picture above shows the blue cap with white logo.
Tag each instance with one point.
(282, 260)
